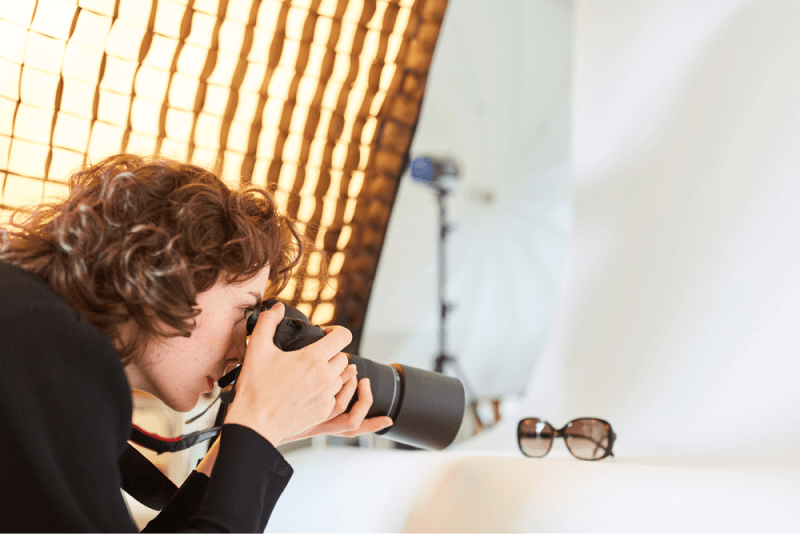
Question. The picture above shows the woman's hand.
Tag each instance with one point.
(354, 422)
(281, 394)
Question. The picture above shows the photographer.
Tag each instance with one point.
(142, 279)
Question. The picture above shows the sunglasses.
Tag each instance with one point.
(587, 438)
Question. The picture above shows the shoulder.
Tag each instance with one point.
(26, 300)
(48, 348)
(66, 408)
(22, 292)
(33, 312)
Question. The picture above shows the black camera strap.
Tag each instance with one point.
(144, 481)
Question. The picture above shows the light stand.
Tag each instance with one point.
(431, 172)
(444, 307)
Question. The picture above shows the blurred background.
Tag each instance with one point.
(624, 244)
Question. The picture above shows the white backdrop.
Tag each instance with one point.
(679, 309)
(497, 101)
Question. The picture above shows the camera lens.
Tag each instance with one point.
(427, 408)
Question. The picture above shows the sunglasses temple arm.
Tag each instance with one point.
(610, 440)
(598, 445)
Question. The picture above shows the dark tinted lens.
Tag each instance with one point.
(587, 439)
(535, 437)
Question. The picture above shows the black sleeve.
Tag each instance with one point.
(183, 505)
(248, 478)
(247, 485)
(65, 418)
(65, 408)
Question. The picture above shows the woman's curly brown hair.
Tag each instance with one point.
(139, 237)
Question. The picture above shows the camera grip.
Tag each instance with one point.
(293, 333)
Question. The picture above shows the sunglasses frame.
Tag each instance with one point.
(559, 433)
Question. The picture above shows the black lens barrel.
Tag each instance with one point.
(427, 408)
(431, 409)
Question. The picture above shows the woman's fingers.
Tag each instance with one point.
(373, 424)
(336, 387)
(336, 338)
(338, 364)
(266, 324)
(349, 372)
(344, 395)
(363, 404)
(354, 422)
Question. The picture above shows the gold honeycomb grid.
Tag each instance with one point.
(316, 100)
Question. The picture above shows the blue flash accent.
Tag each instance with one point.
(422, 170)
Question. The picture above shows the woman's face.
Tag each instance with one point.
(178, 370)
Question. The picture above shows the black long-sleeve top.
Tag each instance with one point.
(65, 418)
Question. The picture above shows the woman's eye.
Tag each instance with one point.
(247, 312)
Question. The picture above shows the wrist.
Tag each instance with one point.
(206, 465)
(266, 430)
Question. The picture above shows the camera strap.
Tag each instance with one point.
(160, 444)
(144, 481)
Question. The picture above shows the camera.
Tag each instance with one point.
(427, 408)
